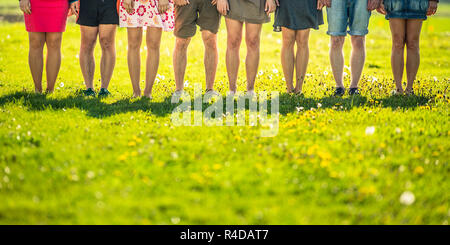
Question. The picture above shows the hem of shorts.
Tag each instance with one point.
(297, 28)
(246, 20)
(358, 33)
(407, 17)
(183, 36)
(142, 26)
(95, 25)
(335, 33)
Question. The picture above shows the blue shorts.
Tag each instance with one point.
(406, 9)
(348, 14)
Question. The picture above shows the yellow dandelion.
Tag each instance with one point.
(419, 170)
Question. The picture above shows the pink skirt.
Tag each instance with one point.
(47, 16)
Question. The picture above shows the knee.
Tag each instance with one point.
(337, 42)
(358, 43)
(106, 43)
(210, 42)
(398, 42)
(134, 44)
(153, 45)
(36, 44)
(303, 43)
(412, 43)
(252, 43)
(289, 42)
(54, 43)
(234, 42)
(181, 44)
(88, 45)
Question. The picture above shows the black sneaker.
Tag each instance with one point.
(103, 93)
(339, 92)
(354, 91)
(89, 92)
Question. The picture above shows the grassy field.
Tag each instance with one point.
(66, 159)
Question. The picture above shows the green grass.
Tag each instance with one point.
(65, 159)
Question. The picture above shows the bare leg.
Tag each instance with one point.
(36, 58)
(398, 31)
(53, 40)
(234, 39)
(302, 58)
(134, 58)
(180, 61)
(211, 58)
(107, 37)
(288, 58)
(153, 45)
(357, 59)
(87, 61)
(413, 28)
(337, 59)
(252, 39)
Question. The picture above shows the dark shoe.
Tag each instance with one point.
(103, 93)
(339, 92)
(89, 92)
(354, 91)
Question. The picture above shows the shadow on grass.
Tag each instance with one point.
(288, 103)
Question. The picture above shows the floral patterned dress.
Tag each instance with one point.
(146, 14)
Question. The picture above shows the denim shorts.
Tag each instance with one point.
(348, 14)
(406, 9)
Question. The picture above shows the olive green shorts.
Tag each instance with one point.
(248, 11)
(197, 12)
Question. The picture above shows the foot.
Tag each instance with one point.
(147, 96)
(409, 91)
(176, 96)
(398, 92)
(103, 92)
(339, 92)
(89, 92)
(136, 94)
(298, 93)
(251, 93)
(211, 93)
(354, 91)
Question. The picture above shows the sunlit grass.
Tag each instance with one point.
(374, 159)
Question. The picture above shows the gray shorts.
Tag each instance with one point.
(248, 11)
(197, 12)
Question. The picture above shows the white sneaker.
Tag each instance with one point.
(212, 93)
(251, 94)
(177, 95)
(231, 94)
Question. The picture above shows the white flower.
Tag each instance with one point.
(186, 83)
(300, 108)
(175, 220)
(77, 56)
(435, 79)
(374, 79)
(319, 105)
(275, 71)
(345, 74)
(325, 73)
(398, 130)
(407, 198)
(370, 130)
(61, 84)
(346, 67)
(278, 41)
(260, 72)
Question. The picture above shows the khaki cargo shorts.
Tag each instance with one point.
(197, 12)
